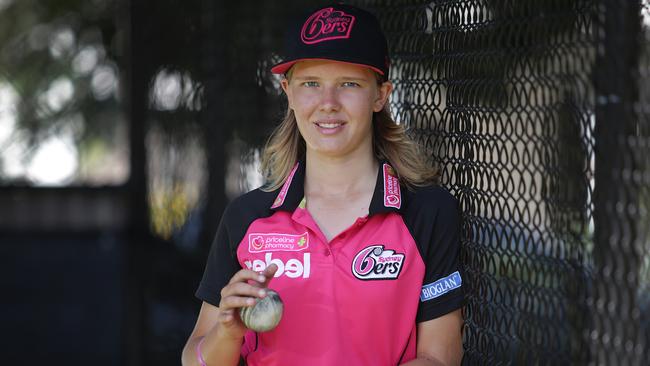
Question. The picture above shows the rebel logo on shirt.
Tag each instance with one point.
(292, 268)
(376, 263)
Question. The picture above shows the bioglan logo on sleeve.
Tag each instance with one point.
(441, 287)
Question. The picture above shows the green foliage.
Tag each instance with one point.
(62, 58)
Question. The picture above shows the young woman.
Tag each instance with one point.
(350, 229)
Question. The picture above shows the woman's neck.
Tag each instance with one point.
(328, 176)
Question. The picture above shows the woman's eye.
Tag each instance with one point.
(310, 84)
(350, 84)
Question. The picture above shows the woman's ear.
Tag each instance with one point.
(285, 86)
(382, 98)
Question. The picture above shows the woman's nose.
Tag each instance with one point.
(329, 99)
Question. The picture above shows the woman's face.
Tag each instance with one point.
(333, 103)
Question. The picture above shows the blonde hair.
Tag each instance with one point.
(286, 146)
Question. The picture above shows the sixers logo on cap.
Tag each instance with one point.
(327, 24)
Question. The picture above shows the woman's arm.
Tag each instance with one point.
(440, 341)
(227, 349)
(219, 329)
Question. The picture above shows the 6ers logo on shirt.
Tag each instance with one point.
(376, 263)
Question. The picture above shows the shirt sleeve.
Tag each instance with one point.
(436, 225)
(221, 265)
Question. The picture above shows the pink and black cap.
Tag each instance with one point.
(336, 32)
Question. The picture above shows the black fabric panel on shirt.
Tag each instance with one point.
(222, 261)
(377, 201)
(431, 214)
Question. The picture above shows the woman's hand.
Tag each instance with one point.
(244, 289)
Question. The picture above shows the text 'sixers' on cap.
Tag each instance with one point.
(340, 33)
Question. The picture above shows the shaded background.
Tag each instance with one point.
(127, 126)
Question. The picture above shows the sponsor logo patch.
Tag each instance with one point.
(376, 263)
(272, 242)
(292, 268)
(392, 193)
(441, 287)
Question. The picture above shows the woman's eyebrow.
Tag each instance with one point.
(352, 78)
(305, 77)
(341, 78)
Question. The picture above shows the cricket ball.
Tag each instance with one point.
(265, 314)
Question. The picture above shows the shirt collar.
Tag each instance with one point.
(292, 191)
(387, 196)
(388, 193)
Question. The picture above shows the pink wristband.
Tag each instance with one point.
(199, 356)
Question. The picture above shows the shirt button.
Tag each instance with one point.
(327, 252)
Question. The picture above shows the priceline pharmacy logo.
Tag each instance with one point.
(272, 242)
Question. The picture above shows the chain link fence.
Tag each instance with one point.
(538, 114)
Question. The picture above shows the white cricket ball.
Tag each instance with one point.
(265, 314)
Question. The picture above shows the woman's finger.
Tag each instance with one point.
(268, 274)
(234, 302)
(242, 289)
(244, 275)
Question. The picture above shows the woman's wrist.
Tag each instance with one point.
(199, 353)
(218, 347)
(224, 333)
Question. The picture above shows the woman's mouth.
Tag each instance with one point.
(329, 127)
(329, 124)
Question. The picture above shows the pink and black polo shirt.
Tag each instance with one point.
(356, 299)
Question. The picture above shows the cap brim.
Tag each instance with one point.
(282, 68)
